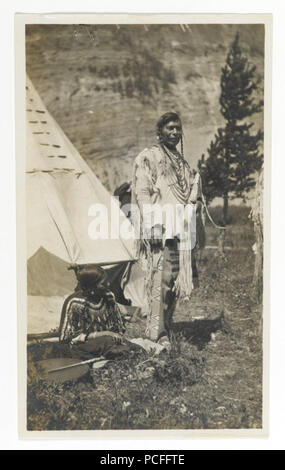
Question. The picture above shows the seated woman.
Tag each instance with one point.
(92, 307)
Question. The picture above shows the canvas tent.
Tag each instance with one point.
(60, 188)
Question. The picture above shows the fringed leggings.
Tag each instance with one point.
(164, 272)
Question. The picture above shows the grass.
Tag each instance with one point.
(211, 378)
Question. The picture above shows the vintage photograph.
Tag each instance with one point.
(144, 239)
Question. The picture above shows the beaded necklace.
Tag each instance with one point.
(178, 183)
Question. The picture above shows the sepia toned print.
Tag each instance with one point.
(144, 219)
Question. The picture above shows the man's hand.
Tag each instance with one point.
(156, 237)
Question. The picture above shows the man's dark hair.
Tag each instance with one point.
(164, 119)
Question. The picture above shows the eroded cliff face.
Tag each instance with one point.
(107, 85)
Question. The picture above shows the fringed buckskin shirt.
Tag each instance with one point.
(162, 177)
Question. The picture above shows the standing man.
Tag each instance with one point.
(163, 178)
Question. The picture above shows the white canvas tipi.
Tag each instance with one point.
(60, 188)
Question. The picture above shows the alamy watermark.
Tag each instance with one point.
(149, 221)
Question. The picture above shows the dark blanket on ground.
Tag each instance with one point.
(107, 346)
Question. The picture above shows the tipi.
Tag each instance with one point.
(60, 188)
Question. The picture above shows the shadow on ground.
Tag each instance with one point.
(198, 332)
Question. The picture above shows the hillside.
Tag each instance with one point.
(107, 85)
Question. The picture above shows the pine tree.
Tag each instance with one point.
(234, 154)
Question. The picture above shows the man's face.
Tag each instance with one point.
(171, 133)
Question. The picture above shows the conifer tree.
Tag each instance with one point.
(234, 153)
